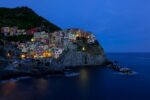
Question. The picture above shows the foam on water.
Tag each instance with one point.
(14, 79)
(73, 74)
(120, 73)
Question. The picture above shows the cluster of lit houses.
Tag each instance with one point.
(15, 31)
(47, 45)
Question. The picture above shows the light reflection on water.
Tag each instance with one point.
(42, 84)
(83, 77)
(94, 83)
(8, 88)
(29, 89)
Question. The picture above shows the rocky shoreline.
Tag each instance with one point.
(116, 67)
(6, 75)
(9, 74)
(43, 71)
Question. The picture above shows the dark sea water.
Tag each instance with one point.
(95, 83)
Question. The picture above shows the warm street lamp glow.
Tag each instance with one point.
(8, 54)
(83, 48)
(35, 56)
(32, 40)
(47, 54)
(23, 56)
(77, 35)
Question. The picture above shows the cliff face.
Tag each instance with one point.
(72, 57)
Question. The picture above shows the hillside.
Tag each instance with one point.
(24, 18)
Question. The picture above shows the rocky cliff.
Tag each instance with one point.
(74, 57)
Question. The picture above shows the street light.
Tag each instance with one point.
(83, 49)
(23, 56)
(32, 39)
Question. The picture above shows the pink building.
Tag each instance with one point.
(32, 31)
(5, 30)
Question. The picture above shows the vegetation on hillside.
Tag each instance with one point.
(20, 38)
(24, 18)
(94, 48)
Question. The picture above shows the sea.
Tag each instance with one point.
(92, 83)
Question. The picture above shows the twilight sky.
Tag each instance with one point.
(119, 25)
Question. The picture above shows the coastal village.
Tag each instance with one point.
(44, 44)
(43, 50)
(32, 46)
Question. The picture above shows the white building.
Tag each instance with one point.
(57, 52)
(5, 31)
(72, 36)
(91, 38)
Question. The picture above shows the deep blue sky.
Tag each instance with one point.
(120, 25)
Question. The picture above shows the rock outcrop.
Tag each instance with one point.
(73, 57)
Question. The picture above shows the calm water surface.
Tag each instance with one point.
(95, 83)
